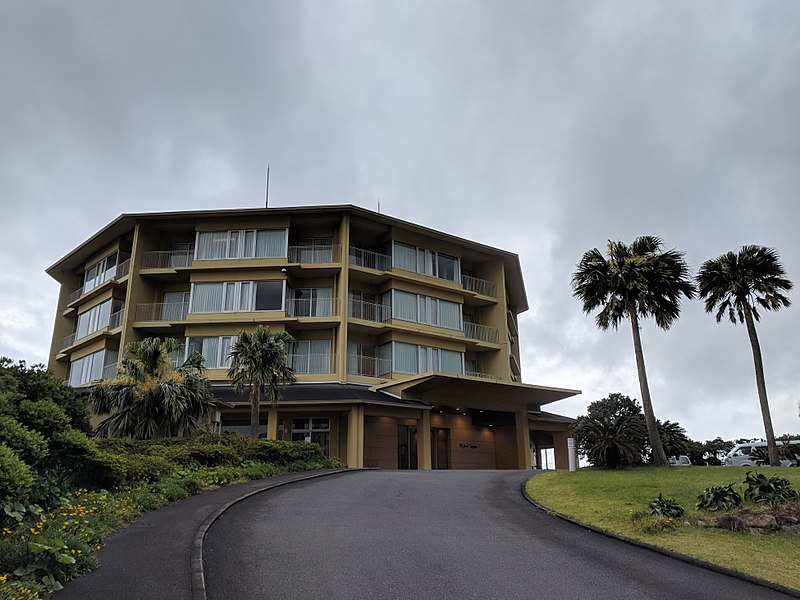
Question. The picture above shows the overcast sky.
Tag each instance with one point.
(545, 128)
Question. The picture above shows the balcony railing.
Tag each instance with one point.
(368, 366)
(483, 333)
(114, 321)
(479, 286)
(370, 311)
(491, 376)
(312, 307)
(314, 254)
(117, 272)
(167, 259)
(311, 364)
(369, 259)
(67, 341)
(162, 311)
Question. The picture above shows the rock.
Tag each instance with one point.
(760, 520)
(791, 528)
(790, 521)
(701, 523)
(730, 523)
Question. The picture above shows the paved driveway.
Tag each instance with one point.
(433, 534)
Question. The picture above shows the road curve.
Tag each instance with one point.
(433, 534)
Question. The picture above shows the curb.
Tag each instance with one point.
(196, 557)
(681, 557)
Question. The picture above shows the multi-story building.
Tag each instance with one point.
(406, 343)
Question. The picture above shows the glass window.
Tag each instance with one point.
(316, 431)
(246, 296)
(269, 295)
(207, 297)
(405, 257)
(230, 296)
(215, 350)
(92, 367)
(95, 319)
(452, 362)
(233, 245)
(271, 243)
(404, 306)
(406, 358)
(447, 267)
(449, 314)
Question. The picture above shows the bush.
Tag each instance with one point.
(280, 452)
(212, 455)
(30, 445)
(773, 490)
(172, 489)
(44, 416)
(16, 479)
(718, 497)
(139, 467)
(665, 507)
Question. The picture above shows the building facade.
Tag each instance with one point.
(406, 345)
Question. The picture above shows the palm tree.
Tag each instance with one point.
(150, 398)
(640, 280)
(736, 283)
(258, 361)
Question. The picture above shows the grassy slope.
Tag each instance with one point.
(607, 499)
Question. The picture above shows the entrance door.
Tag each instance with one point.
(406, 447)
(440, 448)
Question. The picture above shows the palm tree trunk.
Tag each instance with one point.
(659, 457)
(255, 402)
(761, 384)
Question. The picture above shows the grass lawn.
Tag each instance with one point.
(607, 499)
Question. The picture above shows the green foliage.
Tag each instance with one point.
(43, 416)
(612, 433)
(673, 438)
(666, 507)
(719, 497)
(30, 445)
(139, 467)
(211, 455)
(282, 453)
(772, 490)
(16, 478)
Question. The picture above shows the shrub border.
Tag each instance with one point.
(681, 557)
(196, 556)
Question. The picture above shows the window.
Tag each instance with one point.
(315, 430)
(427, 262)
(424, 309)
(215, 350)
(93, 367)
(310, 356)
(413, 359)
(241, 243)
(100, 272)
(310, 302)
(237, 296)
(99, 317)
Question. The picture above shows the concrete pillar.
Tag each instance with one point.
(272, 424)
(560, 449)
(424, 440)
(523, 440)
(355, 437)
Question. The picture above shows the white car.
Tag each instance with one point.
(747, 455)
(680, 461)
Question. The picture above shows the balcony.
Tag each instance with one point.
(369, 259)
(167, 259)
(113, 274)
(311, 364)
(315, 254)
(162, 311)
(369, 311)
(479, 286)
(114, 321)
(368, 366)
(491, 376)
(312, 307)
(482, 333)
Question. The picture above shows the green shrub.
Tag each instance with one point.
(140, 467)
(718, 497)
(665, 507)
(212, 455)
(30, 445)
(44, 416)
(281, 452)
(772, 490)
(172, 489)
(258, 470)
(16, 478)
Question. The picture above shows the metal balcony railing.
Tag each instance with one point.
(162, 311)
(67, 341)
(370, 311)
(167, 259)
(312, 307)
(483, 333)
(117, 272)
(369, 259)
(368, 366)
(311, 364)
(491, 376)
(479, 286)
(115, 320)
(315, 254)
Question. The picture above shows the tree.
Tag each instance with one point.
(258, 362)
(612, 433)
(673, 438)
(640, 280)
(150, 398)
(736, 284)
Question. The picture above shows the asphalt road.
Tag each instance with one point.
(433, 534)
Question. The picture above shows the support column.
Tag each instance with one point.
(272, 424)
(560, 449)
(523, 440)
(355, 437)
(424, 440)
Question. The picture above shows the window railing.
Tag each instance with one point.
(370, 311)
(368, 366)
(311, 364)
(369, 259)
(513, 326)
(114, 321)
(67, 341)
(312, 307)
(483, 333)
(167, 259)
(117, 272)
(491, 376)
(162, 311)
(479, 286)
(314, 254)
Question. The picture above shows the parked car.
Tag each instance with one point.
(680, 461)
(752, 454)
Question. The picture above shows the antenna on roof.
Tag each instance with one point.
(266, 193)
(379, 204)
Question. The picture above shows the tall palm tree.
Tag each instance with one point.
(258, 361)
(150, 398)
(736, 284)
(640, 280)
